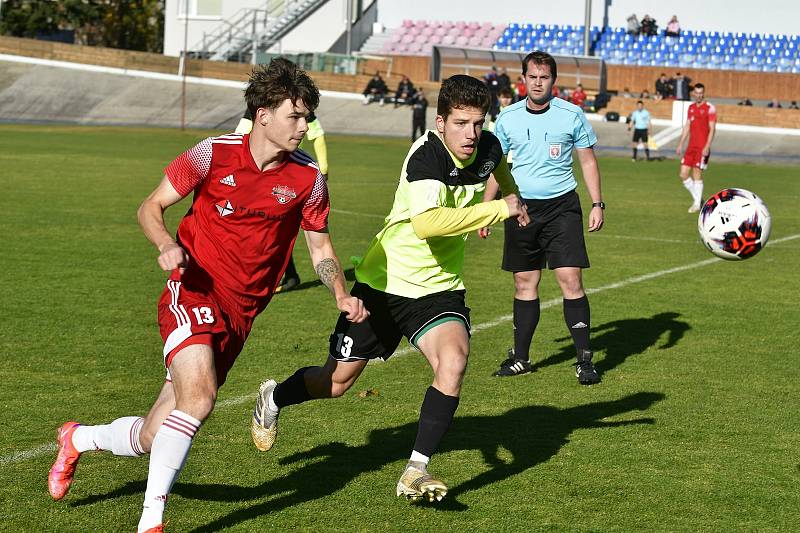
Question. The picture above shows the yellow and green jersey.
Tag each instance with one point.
(397, 260)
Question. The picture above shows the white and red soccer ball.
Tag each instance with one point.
(734, 224)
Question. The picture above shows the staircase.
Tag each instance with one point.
(375, 44)
(252, 30)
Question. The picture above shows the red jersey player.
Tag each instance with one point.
(252, 193)
(701, 123)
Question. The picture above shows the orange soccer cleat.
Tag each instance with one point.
(63, 468)
(158, 529)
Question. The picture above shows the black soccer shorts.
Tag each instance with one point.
(553, 239)
(640, 135)
(390, 318)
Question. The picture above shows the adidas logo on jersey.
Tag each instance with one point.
(228, 180)
(225, 210)
(579, 325)
(454, 173)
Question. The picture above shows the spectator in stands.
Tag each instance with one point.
(663, 87)
(521, 89)
(673, 27)
(793, 105)
(376, 90)
(405, 92)
(775, 104)
(503, 81)
(649, 26)
(645, 95)
(634, 28)
(418, 114)
(680, 86)
(578, 96)
(745, 101)
(494, 87)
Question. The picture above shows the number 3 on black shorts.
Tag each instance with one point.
(344, 344)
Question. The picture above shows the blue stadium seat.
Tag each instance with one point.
(769, 65)
(755, 64)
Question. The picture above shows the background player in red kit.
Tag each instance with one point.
(252, 193)
(701, 123)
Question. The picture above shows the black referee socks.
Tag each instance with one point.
(526, 318)
(576, 316)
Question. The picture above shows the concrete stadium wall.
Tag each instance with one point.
(47, 94)
(765, 16)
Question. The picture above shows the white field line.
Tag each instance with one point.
(354, 213)
(43, 449)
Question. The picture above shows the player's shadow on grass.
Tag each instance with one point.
(510, 444)
(349, 275)
(621, 339)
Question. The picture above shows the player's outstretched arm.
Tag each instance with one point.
(151, 219)
(591, 175)
(329, 270)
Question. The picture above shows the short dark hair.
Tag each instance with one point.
(537, 57)
(640, 102)
(270, 85)
(462, 91)
(506, 92)
(699, 86)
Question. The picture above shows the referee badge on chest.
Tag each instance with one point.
(555, 150)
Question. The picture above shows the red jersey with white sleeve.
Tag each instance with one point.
(699, 116)
(241, 227)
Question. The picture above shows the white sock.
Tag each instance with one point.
(170, 449)
(121, 437)
(697, 191)
(271, 402)
(689, 184)
(419, 458)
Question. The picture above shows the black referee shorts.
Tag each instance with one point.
(553, 239)
(390, 318)
(640, 135)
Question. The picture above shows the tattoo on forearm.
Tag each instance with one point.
(328, 271)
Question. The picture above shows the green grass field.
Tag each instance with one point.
(693, 428)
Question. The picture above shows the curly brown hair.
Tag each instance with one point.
(462, 91)
(270, 85)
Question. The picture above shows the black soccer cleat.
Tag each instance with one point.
(288, 284)
(584, 369)
(513, 366)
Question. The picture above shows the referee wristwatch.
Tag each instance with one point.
(601, 205)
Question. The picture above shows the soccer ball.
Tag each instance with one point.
(734, 224)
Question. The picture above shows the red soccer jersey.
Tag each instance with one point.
(241, 227)
(699, 117)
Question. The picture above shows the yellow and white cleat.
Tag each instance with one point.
(264, 425)
(418, 485)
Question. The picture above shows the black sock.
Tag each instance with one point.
(576, 315)
(647, 152)
(634, 153)
(526, 318)
(291, 271)
(293, 390)
(434, 419)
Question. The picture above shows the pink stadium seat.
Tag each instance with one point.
(407, 39)
(441, 30)
(474, 25)
(461, 25)
(397, 36)
(474, 42)
(421, 38)
(448, 40)
(461, 40)
(408, 23)
(446, 24)
(487, 26)
(435, 39)
(426, 49)
(400, 48)
(487, 42)
(468, 32)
